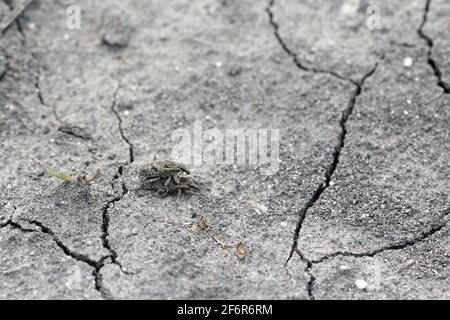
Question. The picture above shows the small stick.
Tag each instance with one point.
(223, 245)
(202, 225)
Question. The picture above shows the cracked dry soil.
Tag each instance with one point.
(362, 187)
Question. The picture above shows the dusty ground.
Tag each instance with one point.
(358, 210)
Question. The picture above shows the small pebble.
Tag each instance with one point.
(116, 28)
(408, 62)
(234, 71)
(344, 268)
(361, 284)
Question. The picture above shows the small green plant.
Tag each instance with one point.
(65, 177)
(58, 175)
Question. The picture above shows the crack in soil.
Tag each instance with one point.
(37, 83)
(5, 71)
(430, 43)
(97, 265)
(64, 127)
(122, 134)
(309, 265)
(336, 155)
(294, 57)
(105, 215)
(398, 246)
(14, 13)
(337, 150)
(343, 121)
(2, 75)
(105, 233)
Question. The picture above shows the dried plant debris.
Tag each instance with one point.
(240, 251)
(64, 177)
(257, 207)
(165, 176)
(201, 225)
(88, 179)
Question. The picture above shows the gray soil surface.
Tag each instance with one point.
(358, 209)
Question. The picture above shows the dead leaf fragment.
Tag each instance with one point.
(257, 207)
(90, 179)
(240, 251)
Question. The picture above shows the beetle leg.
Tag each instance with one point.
(194, 185)
(194, 190)
(147, 183)
(151, 180)
(185, 170)
(177, 178)
(165, 190)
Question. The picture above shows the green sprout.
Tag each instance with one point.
(65, 177)
(58, 175)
